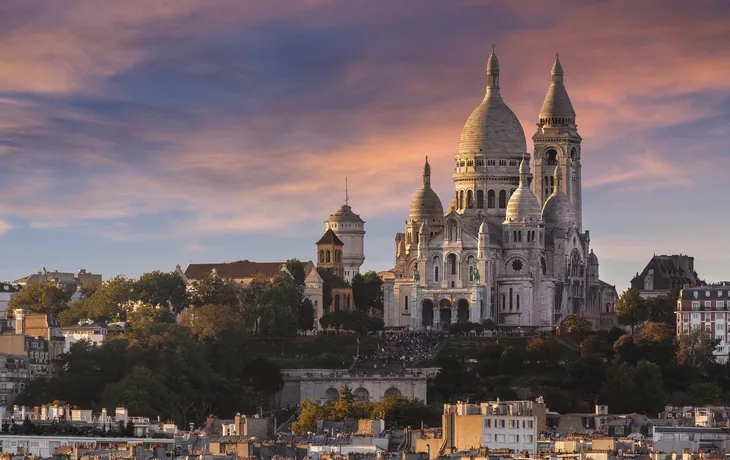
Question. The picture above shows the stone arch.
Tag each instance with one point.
(452, 262)
(490, 199)
(405, 304)
(469, 199)
(321, 256)
(462, 311)
(328, 256)
(337, 302)
(551, 156)
(361, 394)
(480, 199)
(392, 391)
(427, 313)
(502, 199)
(445, 312)
(331, 394)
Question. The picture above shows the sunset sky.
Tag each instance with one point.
(137, 135)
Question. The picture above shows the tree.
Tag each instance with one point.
(208, 321)
(488, 359)
(44, 297)
(296, 268)
(656, 332)
(696, 349)
(510, 363)
(367, 291)
(111, 300)
(489, 325)
(541, 349)
(576, 323)
(146, 314)
(634, 388)
(624, 348)
(305, 315)
(129, 429)
(213, 290)
(594, 345)
(309, 414)
(661, 309)
(166, 289)
(631, 309)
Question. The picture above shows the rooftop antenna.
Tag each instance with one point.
(347, 196)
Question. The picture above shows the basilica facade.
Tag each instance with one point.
(510, 246)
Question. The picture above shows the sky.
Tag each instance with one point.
(138, 135)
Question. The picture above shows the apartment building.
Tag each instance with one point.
(706, 308)
(497, 425)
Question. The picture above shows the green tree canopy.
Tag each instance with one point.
(166, 289)
(44, 297)
(631, 309)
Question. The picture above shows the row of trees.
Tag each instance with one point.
(639, 372)
(166, 369)
(355, 320)
(397, 411)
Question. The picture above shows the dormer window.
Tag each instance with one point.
(707, 293)
(696, 294)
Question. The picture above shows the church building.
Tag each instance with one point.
(510, 246)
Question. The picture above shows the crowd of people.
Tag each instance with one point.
(398, 351)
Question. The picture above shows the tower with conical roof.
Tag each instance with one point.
(557, 142)
(491, 146)
(350, 230)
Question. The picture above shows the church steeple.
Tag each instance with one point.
(557, 109)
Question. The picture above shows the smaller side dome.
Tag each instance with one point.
(558, 210)
(523, 205)
(426, 204)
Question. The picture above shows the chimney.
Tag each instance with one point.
(20, 321)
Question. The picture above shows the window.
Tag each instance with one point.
(719, 304)
(511, 424)
(405, 304)
(695, 294)
(452, 263)
(488, 423)
(502, 199)
(708, 304)
(501, 423)
(491, 162)
(490, 199)
(503, 162)
(529, 424)
(469, 199)
(480, 199)
(695, 305)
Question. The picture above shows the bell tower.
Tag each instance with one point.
(557, 141)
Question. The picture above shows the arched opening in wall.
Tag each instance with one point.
(573, 154)
(436, 273)
(511, 299)
(331, 394)
(518, 302)
(405, 303)
(361, 394)
(321, 257)
(427, 313)
(502, 199)
(461, 199)
(445, 313)
(481, 308)
(408, 238)
(469, 199)
(347, 302)
(490, 199)
(328, 256)
(337, 302)
(504, 301)
(543, 266)
(480, 199)
(452, 230)
(608, 308)
(452, 263)
(392, 391)
(551, 157)
(462, 311)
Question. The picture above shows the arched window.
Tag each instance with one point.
(510, 299)
(469, 199)
(518, 302)
(452, 230)
(551, 157)
(471, 273)
(452, 263)
(543, 266)
(504, 302)
(408, 238)
(480, 199)
(502, 199)
(490, 199)
(405, 304)
(321, 256)
(337, 302)
(461, 199)
(436, 273)
(328, 256)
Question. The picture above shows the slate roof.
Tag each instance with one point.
(668, 273)
(330, 237)
(236, 270)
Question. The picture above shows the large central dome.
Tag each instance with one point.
(492, 128)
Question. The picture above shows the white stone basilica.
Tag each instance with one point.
(510, 246)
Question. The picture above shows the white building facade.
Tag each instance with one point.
(510, 246)
(707, 308)
(350, 229)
